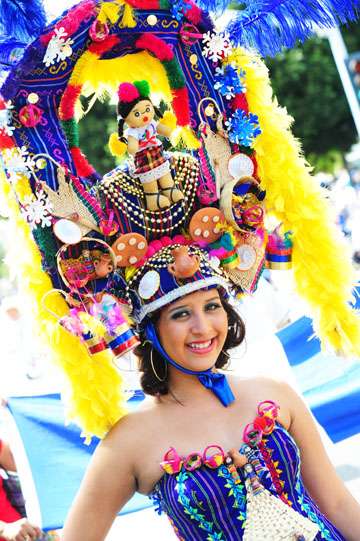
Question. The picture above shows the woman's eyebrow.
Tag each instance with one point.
(177, 308)
(186, 306)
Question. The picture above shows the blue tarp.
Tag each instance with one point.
(330, 384)
(57, 455)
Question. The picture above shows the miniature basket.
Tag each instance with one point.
(226, 203)
(81, 268)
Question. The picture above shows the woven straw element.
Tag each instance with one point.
(217, 147)
(248, 279)
(269, 519)
(66, 202)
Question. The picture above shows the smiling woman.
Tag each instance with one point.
(202, 324)
(218, 454)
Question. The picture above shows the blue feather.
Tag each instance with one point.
(22, 19)
(11, 51)
(269, 25)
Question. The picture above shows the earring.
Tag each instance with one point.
(226, 354)
(153, 367)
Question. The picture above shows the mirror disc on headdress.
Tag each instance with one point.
(149, 284)
(247, 256)
(240, 165)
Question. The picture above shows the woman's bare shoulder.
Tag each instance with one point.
(257, 389)
(133, 423)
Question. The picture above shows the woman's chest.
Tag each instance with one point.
(189, 439)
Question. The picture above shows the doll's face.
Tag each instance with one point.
(140, 115)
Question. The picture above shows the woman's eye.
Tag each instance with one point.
(148, 109)
(212, 306)
(180, 314)
(137, 114)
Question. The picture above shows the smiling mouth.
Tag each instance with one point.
(201, 347)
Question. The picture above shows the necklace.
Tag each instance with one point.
(115, 188)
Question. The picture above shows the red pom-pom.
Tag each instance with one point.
(156, 244)
(166, 241)
(179, 239)
(127, 92)
(150, 252)
(261, 422)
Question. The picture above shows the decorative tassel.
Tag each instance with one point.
(22, 19)
(128, 20)
(269, 26)
(109, 12)
(169, 120)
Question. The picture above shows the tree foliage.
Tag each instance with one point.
(306, 81)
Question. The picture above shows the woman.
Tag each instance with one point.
(184, 414)
(13, 527)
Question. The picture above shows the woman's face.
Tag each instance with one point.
(140, 115)
(193, 329)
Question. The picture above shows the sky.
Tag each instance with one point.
(54, 9)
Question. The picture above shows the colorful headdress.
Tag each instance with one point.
(90, 253)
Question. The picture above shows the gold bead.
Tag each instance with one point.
(33, 98)
(152, 20)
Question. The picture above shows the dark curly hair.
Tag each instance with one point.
(151, 385)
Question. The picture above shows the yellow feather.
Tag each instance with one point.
(184, 137)
(96, 394)
(321, 259)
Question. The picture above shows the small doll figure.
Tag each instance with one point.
(136, 110)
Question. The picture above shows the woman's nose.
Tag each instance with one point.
(200, 323)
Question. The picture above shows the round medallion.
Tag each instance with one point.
(247, 256)
(152, 20)
(33, 98)
(41, 163)
(203, 224)
(149, 284)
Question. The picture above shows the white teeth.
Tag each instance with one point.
(200, 346)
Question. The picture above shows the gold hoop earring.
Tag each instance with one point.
(226, 354)
(153, 368)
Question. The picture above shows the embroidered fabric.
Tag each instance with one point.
(207, 504)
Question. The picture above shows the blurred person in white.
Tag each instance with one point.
(20, 357)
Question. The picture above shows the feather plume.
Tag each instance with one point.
(22, 19)
(11, 51)
(322, 267)
(269, 25)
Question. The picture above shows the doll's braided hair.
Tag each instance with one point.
(129, 95)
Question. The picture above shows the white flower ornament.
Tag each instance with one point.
(216, 45)
(37, 210)
(58, 49)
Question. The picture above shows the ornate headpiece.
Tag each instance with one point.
(165, 222)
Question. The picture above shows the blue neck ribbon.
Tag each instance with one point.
(211, 380)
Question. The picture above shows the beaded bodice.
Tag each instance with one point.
(207, 503)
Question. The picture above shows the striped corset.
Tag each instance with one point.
(206, 503)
